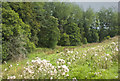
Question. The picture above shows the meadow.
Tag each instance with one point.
(89, 61)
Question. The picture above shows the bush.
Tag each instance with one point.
(64, 40)
(74, 34)
(84, 40)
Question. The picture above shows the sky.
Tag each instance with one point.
(97, 5)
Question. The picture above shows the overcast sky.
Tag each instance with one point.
(97, 5)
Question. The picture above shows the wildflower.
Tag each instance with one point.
(51, 78)
(5, 69)
(68, 63)
(63, 73)
(84, 54)
(27, 62)
(71, 51)
(74, 79)
(11, 77)
(73, 58)
(59, 66)
(51, 73)
(95, 54)
(65, 68)
(67, 75)
(105, 58)
(116, 49)
(68, 51)
(20, 75)
(107, 54)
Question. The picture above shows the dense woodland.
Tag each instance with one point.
(28, 25)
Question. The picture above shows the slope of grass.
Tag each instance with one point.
(90, 61)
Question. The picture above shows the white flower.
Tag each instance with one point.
(30, 71)
(61, 61)
(5, 69)
(95, 54)
(51, 73)
(51, 78)
(11, 77)
(65, 68)
(63, 73)
(73, 58)
(74, 79)
(27, 62)
(57, 62)
(71, 51)
(116, 49)
(84, 54)
(59, 67)
(105, 58)
(55, 71)
(68, 63)
(68, 51)
(107, 54)
(67, 75)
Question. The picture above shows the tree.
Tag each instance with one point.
(74, 34)
(30, 14)
(49, 34)
(15, 34)
(87, 24)
(64, 40)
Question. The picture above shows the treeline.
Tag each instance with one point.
(27, 25)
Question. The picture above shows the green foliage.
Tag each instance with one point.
(29, 14)
(42, 24)
(49, 34)
(74, 34)
(95, 37)
(108, 23)
(84, 41)
(64, 40)
(14, 35)
(108, 37)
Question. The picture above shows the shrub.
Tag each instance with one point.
(64, 40)
(74, 34)
(84, 40)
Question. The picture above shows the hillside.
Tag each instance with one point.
(90, 61)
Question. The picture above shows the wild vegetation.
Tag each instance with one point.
(91, 61)
(26, 25)
(50, 40)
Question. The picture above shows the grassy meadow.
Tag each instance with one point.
(89, 61)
